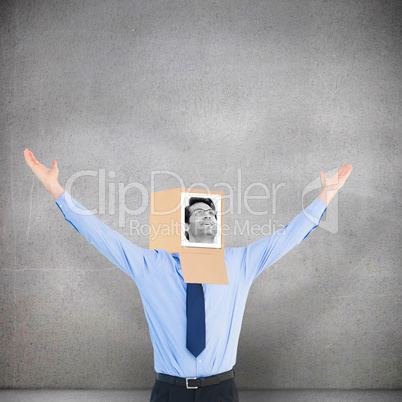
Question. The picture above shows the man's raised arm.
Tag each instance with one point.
(133, 260)
(261, 254)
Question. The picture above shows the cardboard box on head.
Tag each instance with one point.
(201, 262)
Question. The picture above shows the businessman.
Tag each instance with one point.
(194, 328)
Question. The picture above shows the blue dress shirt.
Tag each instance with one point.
(159, 279)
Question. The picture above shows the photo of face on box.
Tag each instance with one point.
(201, 216)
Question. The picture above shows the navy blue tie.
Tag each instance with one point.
(195, 307)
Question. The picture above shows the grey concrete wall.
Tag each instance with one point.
(214, 91)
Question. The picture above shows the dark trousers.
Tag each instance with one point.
(225, 391)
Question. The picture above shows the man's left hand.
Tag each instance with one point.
(332, 185)
(337, 181)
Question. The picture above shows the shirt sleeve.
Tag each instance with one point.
(133, 260)
(260, 255)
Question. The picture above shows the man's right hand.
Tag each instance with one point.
(48, 177)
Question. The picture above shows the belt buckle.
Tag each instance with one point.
(187, 386)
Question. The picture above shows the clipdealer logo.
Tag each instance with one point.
(237, 200)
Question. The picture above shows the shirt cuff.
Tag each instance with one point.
(315, 211)
(67, 203)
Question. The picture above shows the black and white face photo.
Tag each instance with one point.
(201, 220)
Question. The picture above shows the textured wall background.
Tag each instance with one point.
(213, 91)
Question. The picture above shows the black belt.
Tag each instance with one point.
(194, 383)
